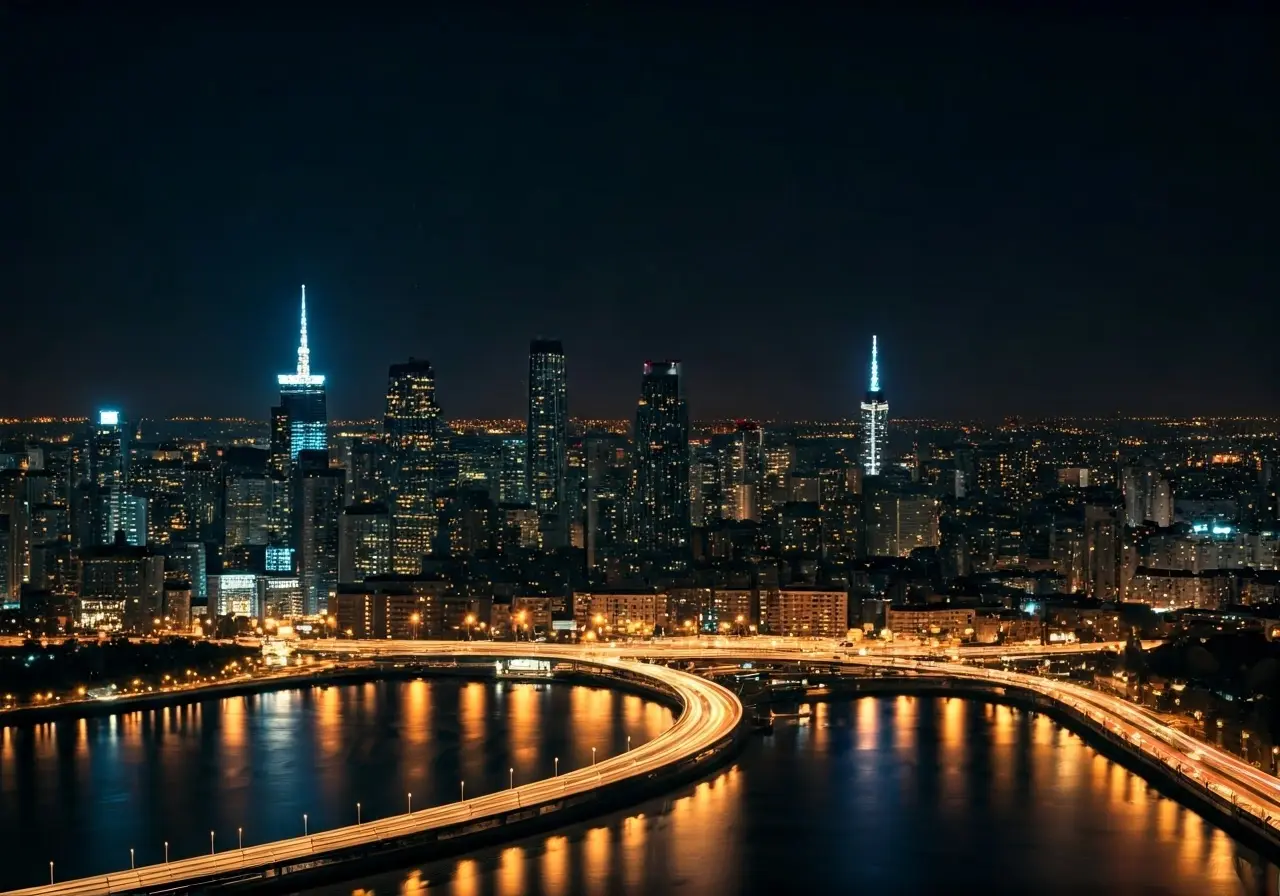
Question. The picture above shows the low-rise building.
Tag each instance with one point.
(808, 613)
(931, 621)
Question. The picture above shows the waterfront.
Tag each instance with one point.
(883, 795)
(84, 792)
(897, 794)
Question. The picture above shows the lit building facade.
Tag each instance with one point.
(318, 503)
(547, 433)
(416, 442)
(875, 420)
(303, 401)
(364, 542)
(662, 519)
(108, 473)
(808, 613)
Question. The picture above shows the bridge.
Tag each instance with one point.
(709, 726)
(707, 729)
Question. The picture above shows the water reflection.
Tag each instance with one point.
(889, 796)
(84, 792)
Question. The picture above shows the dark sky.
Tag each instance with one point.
(1036, 214)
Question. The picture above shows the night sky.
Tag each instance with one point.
(1037, 215)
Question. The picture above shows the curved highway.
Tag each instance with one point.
(709, 715)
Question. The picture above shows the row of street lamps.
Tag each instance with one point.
(462, 795)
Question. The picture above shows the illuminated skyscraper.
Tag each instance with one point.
(875, 420)
(318, 493)
(303, 401)
(662, 460)
(109, 474)
(417, 442)
(547, 436)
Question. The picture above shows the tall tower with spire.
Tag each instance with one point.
(302, 419)
(875, 420)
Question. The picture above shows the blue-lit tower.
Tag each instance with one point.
(875, 420)
(304, 412)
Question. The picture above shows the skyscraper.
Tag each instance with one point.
(547, 436)
(303, 401)
(875, 420)
(109, 474)
(416, 441)
(662, 460)
(318, 501)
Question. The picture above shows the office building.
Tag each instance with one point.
(109, 452)
(364, 542)
(318, 502)
(416, 444)
(662, 461)
(546, 438)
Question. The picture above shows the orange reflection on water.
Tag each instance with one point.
(596, 856)
(704, 816)
(634, 842)
(524, 728)
(413, 884)
(328, 713)
(555, 866)
(952, 751)
(473, 705)
(416, 712)
(511, 872)
(906, 720)
(868, 723)
(233, 725)
(820, 722)
(467, 879)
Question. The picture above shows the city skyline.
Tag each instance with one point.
(1025, 235)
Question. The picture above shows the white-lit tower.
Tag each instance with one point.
(875, 420)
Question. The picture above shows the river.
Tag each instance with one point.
(887, 795)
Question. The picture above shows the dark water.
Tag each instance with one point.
(82, 793)
(894, 795)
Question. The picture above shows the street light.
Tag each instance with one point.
(463, 786)
(51, 874)
(166, 852)
(131, 862)
(358, 814)
(304, 824)
(557, 771)
(511, 779)
(628, 742)
(211, 843)
(240, 835)
(593, 755)
(410, 803)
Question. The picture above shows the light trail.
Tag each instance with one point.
(710, 714)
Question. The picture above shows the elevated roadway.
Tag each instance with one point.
(709, 723)
(1234, 785)
(710, 720)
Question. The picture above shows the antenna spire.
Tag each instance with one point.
(875, 363)
(304, 353)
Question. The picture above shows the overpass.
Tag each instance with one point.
(709, 725)
(1212, 777)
